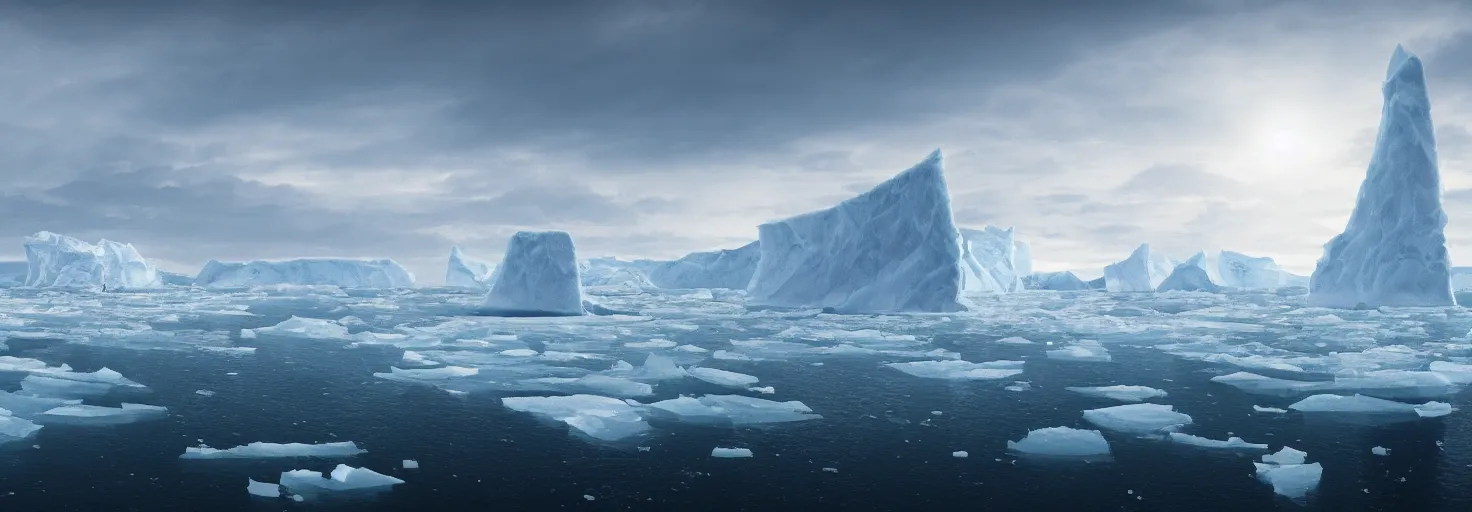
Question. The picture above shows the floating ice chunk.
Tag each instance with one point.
(599, 417)
(25, 406)
(729, 268)
(1083, 351)
(651, 344)
(1433, 409)
(691, 349)
(299, 327)
(336, 272)
(1293, 481)
(414, 358)
(260, 450)
(730, 453)
(1455, 373)
(1380, 450)
(263, 489)
(1061, 442)
(723, 377)
(1273, 410)
(1122, 393)
(537, 277)
(1137, 418)
(466, 272)
(894, 249)
(22, 364)
(595, 383)
(1361, 404)
(411, 464)
(960, 370)
(960, 454)
(1260, 385)
(1393, 249)
(519, 352)
(1014, 340)
(656, 367)
(1398, 384)
(768, 390)
(732, 409)
(1019, 386)
(13, 428)
(343, 478)
(424, 374)
(97, 415)
(1286, 456)
(1232, 443)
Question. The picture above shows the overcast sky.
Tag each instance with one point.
(264, 129)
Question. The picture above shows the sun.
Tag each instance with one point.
(1283, 141)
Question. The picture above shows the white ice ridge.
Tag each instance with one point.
(1393, 250)
(339, 272)
(894, 249)
(259, 450)
(989, 257)
(538, 277)
(466, 272)
(1138, 418)
(1061, 442)
(1191, 276)
(728, 268)
(1143, 271)
(55, 260)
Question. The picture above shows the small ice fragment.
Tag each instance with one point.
(205, 392)
(1380, 450)
(589, 497)
(1292, 480)
(411, 464)
(830, 470)
(730, 453)
(1013, 340)
(1273, 410)
(722, 377)
(960, 454)
(765, 390)
(1088, 351)
(1232, 443)
(263, 489)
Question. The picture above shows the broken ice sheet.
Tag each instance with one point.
(98, 415)
(1232, 443)
(261, 450)
(343, 478)
(1062, 442)
(960, 370)
(1121, 393)
(1366, 405)
(597, 417)
(722, 377)
(730, 409)
(1088, 351)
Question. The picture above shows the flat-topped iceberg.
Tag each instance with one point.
(1393, 250)
(597, 417)
(1232, 443)
(55, 260)
(727, 268)
(339, 272)
(1143, 271)
(1121, 393)
(894, 249)
(1061, 442)
(1022, 258)
(538, 277)
(955, 369)
(1245, 272)
(1138, 418)
(731, 409)
(343, 478)
(98, 415)
(1361, 404)
(466, 272)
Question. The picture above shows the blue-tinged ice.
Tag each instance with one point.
(343, 478)
(598, 417)
(538, 277)
(55, 260)
(1143, 271)
(1060, 281)
(1393, 250)
(1121, 393)
(339, 272)
(1245, 272)
(260, 450)
(1138, 418)
(1022, 258)
(727, 268)
(1191, 276)
(989, 258)
(894, 249)
(466, 272)
(1061, 442)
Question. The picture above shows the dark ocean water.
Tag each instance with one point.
(878, 431)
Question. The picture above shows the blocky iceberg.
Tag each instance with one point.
(1393, 250)
(54, 260)
(990, 261)
(339, 272)
(466, 272)
(728, 268)
(1143, 271)
(1061, 442)
(538, 277)
(894, 249)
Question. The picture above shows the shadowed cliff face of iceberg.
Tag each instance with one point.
(894, 249)
(55, 260)
(989, 255)
(1190, 276)
(466, 272)
(1143, 271)
(730, 268)
(1393, 251)
(339, 272)
(538, 277)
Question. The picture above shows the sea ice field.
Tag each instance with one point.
(186, 398)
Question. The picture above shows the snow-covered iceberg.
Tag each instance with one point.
(466, 272)
(1061, 281)
(1143, 271)
(1393, 250)
(339, 272)
(54, 260)
(989, 255)
(727, 268)
(538, 277)
(1191, 276)
(894, 249)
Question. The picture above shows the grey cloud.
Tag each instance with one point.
(1175, 181)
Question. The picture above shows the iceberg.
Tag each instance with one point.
(343, 478)
(13, 428)
(598, 417)
(98, 415)
(1361, 404)
(1143, 271)
(259, 450)
(339, 272)
(1086, 351)
(1191, 276)
(1022, 258)
(54, 260)
(722, 377)
(728, 268)
(1293, 481)
(538, 277)
(1060, 281)
(1245, 272)
(894, 249)
(954, 369)
(1232, 443)
(614, 274)
(1393, 250)
(1137, 418)
(466, 272)
(990, 261)
(262, 489)
(731, 409)
(730, 453)
(1121, 393)
(1061, 442)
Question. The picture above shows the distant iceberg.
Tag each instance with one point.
(55, 260)
(894, 249)
(615, 274)
(1191, 276)
(1393, 250)
(538, 277)
(1143, 271)
(989, 255)
(466, 272)
(729, 268)
(339, 272)
(1062, 281)
(1022, 258)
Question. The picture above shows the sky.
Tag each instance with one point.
(211, 129)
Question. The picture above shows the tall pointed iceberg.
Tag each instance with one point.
(894, 249)
(1143, 271)
(1393, 251)
(1191, 276)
